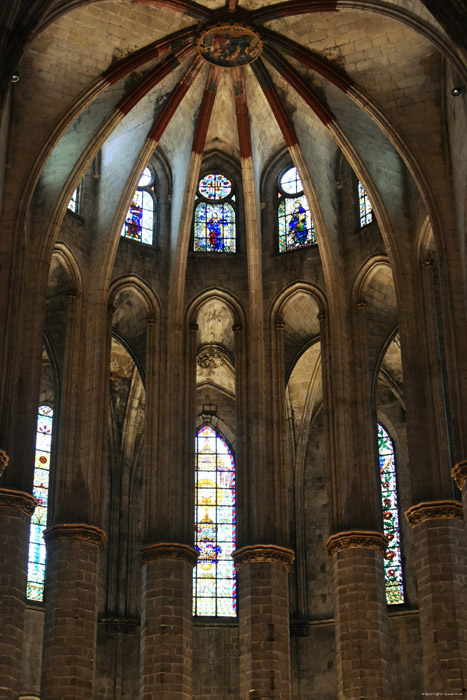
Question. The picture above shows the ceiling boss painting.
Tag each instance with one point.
(229, 45)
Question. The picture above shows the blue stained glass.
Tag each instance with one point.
(214, 228)
(139, 222)
(214, 578)
(296, 229)
(37, 551)
(393, 559)
(366, 211)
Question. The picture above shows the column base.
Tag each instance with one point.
(70, 623)
(167, 620)
(441, 565)
(16, 508)
(360, 614)
(263, 593)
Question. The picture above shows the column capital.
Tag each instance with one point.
(270, 553)
(4, 459)
(459, 473)
(9, 498)
(356, 539)
(76, 531)
(168, 550)
(433, 510)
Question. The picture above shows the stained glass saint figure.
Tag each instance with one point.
(214, 220)
(296, 228)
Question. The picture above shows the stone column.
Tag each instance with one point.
(70, 626)
(16, 509)
(263, 592)
(360, 614)
(441, 565)
(459, 474)
(166, 625)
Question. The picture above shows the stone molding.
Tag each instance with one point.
(76, 531)
(459, 473)
(434, 510)
(356, 539)
(4, 459)
(168, 550)
(25, 502)
(263, 553)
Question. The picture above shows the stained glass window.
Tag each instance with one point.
(36, 557)
(393, 560)
(296, 229)
(366, 212)
(214, 577)
(139, 222)
(74, 202)
(214, 221)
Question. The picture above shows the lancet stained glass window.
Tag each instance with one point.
(296, 229)
(36, 557)
(74, 202)
(393, 560)
(366, 211)
(214, 220)
(139, 222)
(214, 577)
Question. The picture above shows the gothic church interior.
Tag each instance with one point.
(233, 397)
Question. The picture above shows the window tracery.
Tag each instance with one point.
(296, 229)
(215, 216)
(214, 577)
(393, 559)
(139, 221)
(36, 555)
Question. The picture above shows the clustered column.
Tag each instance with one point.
(16, 508)
(166, 625)
(70, 611)
(263, 592)
(360, 614)
(441, 565)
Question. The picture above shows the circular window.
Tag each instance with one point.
(215, 186)
(290, 181)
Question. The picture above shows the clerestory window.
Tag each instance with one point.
(296, 229)
(214, 228)
(140, 218)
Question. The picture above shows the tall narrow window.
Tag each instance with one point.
(139, 222)
(36, 558)
(296, 229)
(214, 577)
(393, 560)
(214, 225)
(74, 203)
(366, 211)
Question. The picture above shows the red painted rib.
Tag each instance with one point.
(308, 58)
(186, 7)
(148, 53)
(296, 7)
(205, 111)
(272, 97)
(174, 100)
(151, 80)
(241, 109)
(295, 80)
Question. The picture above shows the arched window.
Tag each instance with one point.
(214, 221)
(214, 577)
(393, 559)
(296, 229)
(366, 211)
(36, 557)
(139, 222)
(75, 201)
